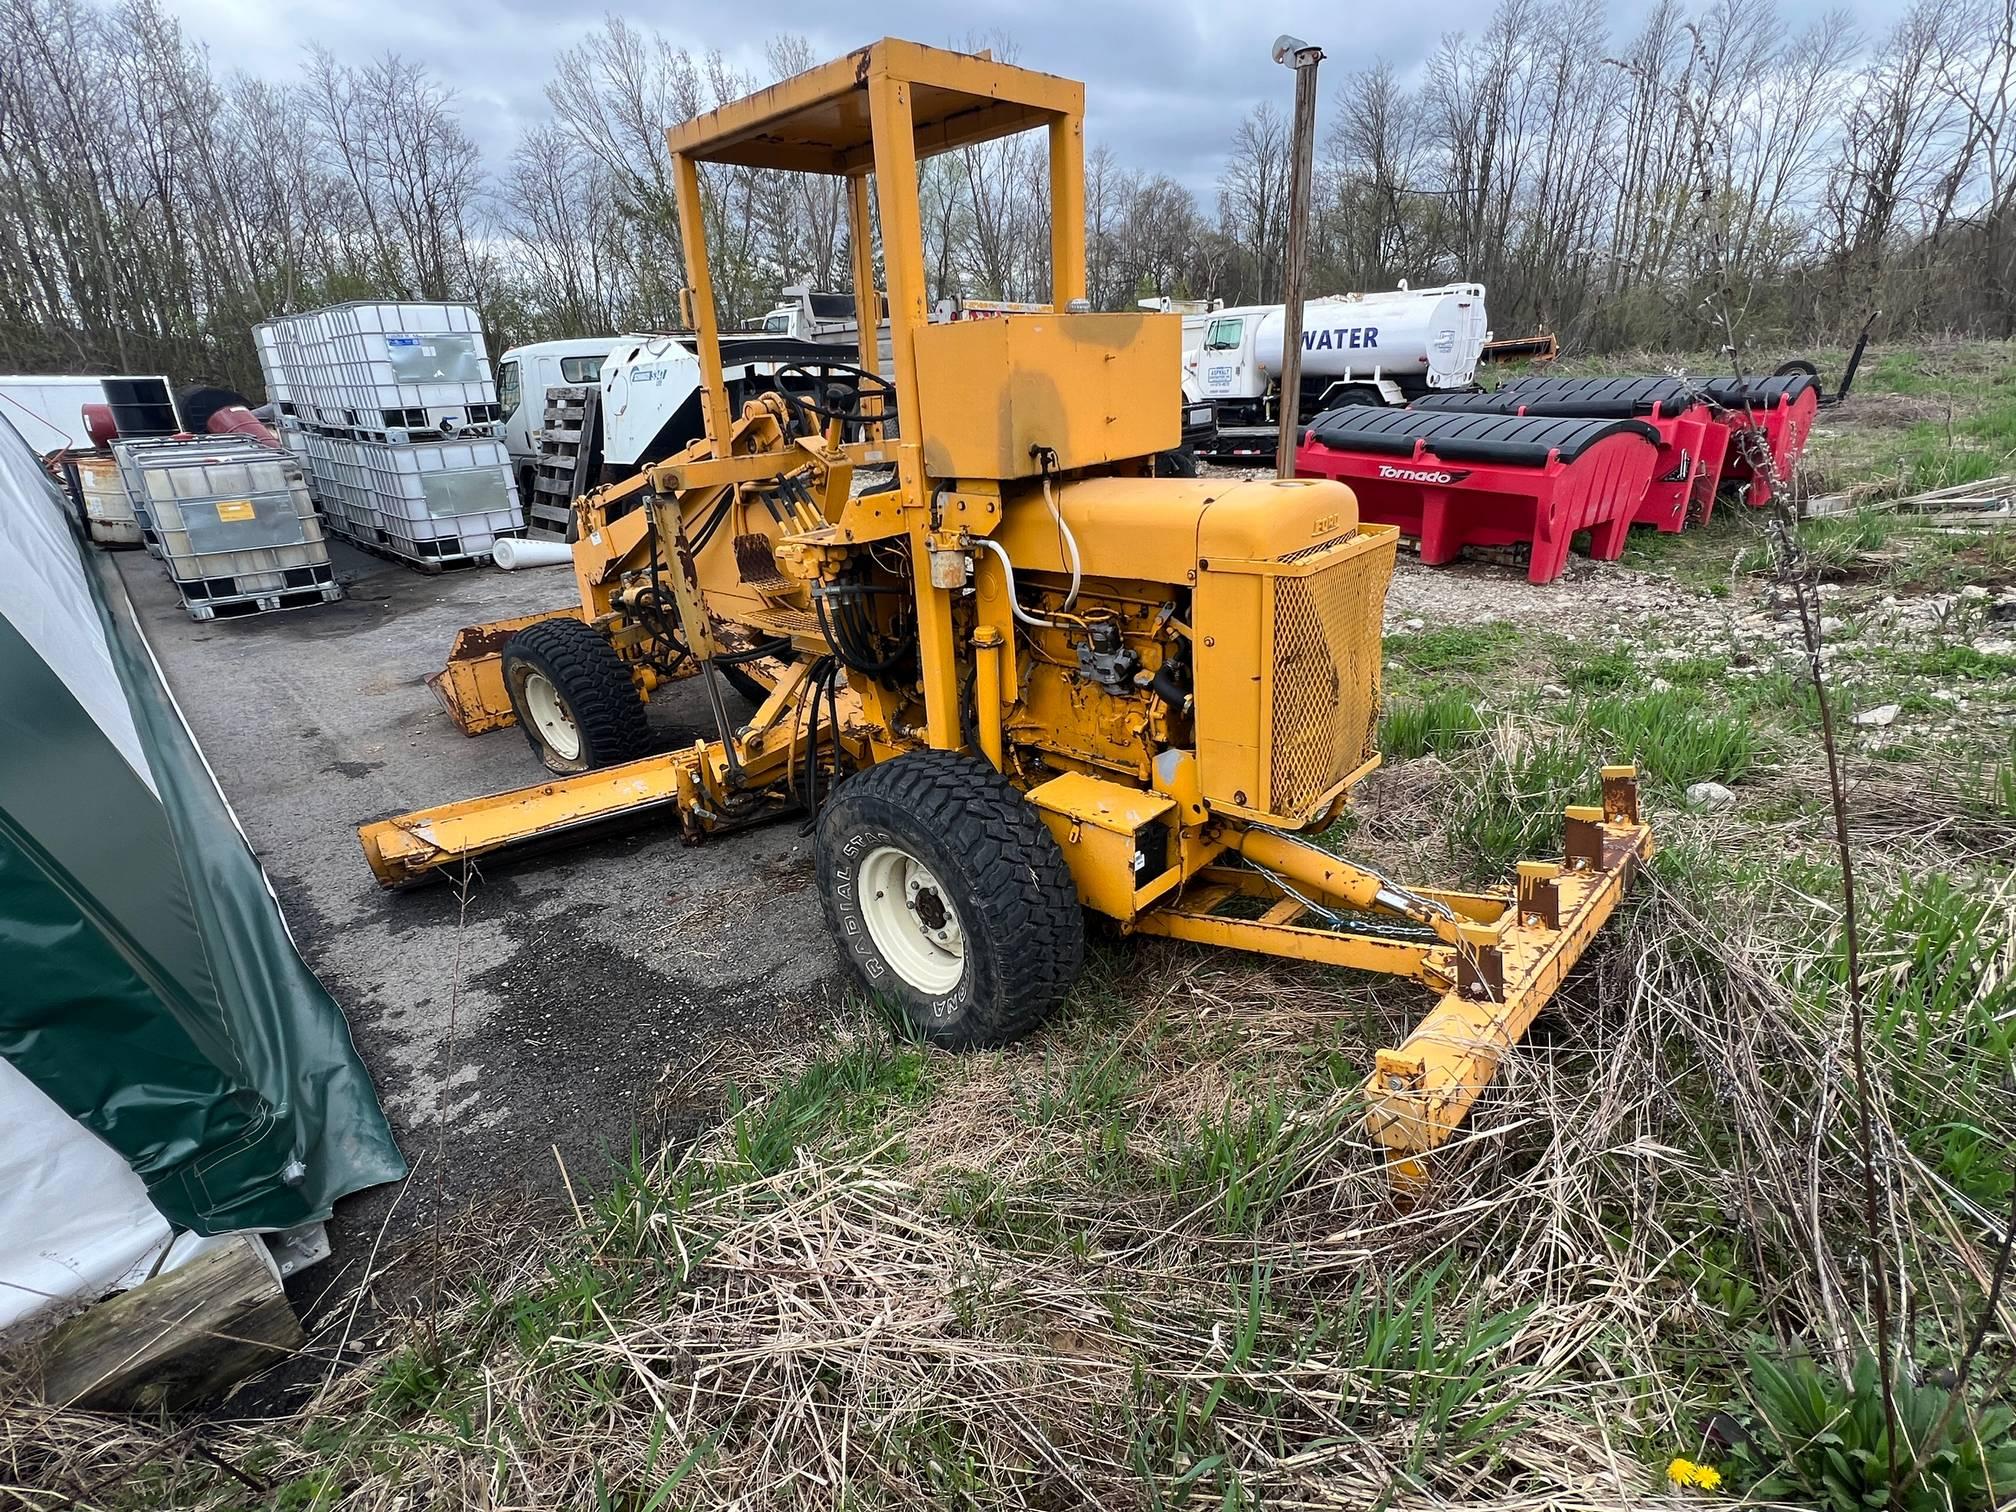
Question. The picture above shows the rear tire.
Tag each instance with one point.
(1180, 463)
(950, 899)
(574, 697)
(1357, 393)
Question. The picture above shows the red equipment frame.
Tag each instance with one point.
(1766, 415)
(1693, 436)
(1465, 479)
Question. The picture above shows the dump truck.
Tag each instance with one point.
(1010, 676)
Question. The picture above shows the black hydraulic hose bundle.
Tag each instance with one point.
(821, 681)
(778, 645)
(851, 632)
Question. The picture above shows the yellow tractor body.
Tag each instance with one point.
(1020, 677)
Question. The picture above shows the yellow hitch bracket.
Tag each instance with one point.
(471, 686)
(1506, 971)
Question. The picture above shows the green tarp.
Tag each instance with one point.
(147, 981)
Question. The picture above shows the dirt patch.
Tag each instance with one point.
(1895, 411)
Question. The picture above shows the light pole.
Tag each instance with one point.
(1293, 52)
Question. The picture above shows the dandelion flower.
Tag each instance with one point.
(1684, 1472)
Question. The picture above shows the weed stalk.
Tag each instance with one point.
(1792, 576)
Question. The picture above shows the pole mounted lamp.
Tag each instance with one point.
(1293, 52)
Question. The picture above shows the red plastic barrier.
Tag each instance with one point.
(1766, 415)
(1456, 479)
(1712, 461)
(1693, 435)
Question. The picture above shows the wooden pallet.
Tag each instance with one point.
(570, 455)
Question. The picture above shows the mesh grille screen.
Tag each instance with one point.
(1326, 677)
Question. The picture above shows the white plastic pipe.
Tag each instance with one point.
(511, 553)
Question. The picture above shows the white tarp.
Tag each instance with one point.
(48, 410)
(75, 1222)
(46, 599)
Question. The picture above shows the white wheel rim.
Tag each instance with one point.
(912, 921)
(550, 717)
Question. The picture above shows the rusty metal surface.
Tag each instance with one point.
(471, 685)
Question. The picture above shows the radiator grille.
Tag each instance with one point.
(1326, 677)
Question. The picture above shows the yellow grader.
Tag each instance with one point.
(1018, 678)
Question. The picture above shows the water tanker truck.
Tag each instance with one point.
(1356, 349)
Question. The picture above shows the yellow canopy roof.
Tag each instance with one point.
(817, 121)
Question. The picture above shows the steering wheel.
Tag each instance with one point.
(835, 391)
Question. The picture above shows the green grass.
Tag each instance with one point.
(1833, 545)
(1950, 662)
(1470, 649)
(1446, 721)
(1589, 667)
(1511, 809)
(1993, 783)
(1942, 1004)
(1241, 1165)
(1675, 739)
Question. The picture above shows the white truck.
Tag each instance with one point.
(649, 400)
(1356, 349)
(804, 314)
(524, 374)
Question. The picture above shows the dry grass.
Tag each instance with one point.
(1032, 1279)
(1149, 1259)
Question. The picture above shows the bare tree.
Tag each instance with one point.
(1253, 200)
(151, 211)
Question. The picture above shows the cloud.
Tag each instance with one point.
(1164, 81)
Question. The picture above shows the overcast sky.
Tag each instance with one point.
(1165, 79)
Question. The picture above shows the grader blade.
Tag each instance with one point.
(1496, 958)
(1506, 971)
(421, 846)
(471, 685)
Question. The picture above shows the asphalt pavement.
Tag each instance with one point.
(551, 1005)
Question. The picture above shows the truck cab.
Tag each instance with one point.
(524, 374)
(802, 313)
(1218, 355)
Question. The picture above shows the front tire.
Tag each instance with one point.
(574, 697)
(950, 898)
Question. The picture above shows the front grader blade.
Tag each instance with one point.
(1506, 972)
(1496, 958)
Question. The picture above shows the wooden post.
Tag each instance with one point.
(1293, 52)
(175, 1340)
